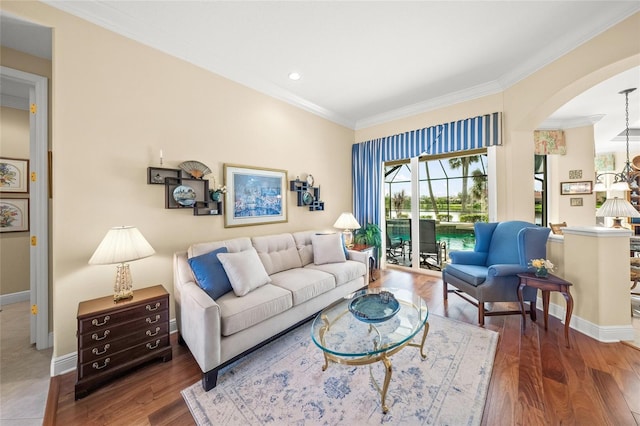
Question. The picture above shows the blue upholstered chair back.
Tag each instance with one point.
(511, 242)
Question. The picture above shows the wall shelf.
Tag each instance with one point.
(306, 195)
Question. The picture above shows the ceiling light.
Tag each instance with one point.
(295, 76)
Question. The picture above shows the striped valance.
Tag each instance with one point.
(368, 157)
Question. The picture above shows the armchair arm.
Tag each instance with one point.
(502, 270)
(468, 257)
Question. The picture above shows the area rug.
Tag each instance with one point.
(283, 383)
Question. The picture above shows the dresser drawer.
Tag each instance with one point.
(107, 319)
(143, 325)
(109, 346)
(105, 364)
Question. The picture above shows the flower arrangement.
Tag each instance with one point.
(542, 266)
(216, 191)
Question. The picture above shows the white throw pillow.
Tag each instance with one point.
(327, 248)
(245, 270)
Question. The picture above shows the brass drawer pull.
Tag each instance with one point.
(106, 320)
(95, 351)
(155, 308)
(97, 366)
(150, 346)
(150, 321)
(151, 333)
(95, 336)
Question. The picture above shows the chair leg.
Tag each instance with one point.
(445, 291)
(481, 313)
(532, 310)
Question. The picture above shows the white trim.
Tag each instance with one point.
(67, 363)
(8, 299)
(39, 224)
(602, 333)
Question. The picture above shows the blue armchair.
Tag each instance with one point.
(488, 273)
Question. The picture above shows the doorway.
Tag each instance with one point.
(35, 88)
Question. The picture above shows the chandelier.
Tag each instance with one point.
(626, 179)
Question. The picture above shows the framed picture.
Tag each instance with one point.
(573, 188)
(255, 196)
(576, 202)
(14, 175)
(14, 214)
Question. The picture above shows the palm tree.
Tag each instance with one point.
(464, 162)
(433, 199)
(398, 201)
(479, 188)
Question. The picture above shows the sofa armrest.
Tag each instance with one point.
(358, 256)
(197, 316)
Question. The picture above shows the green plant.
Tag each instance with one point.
(370, 235)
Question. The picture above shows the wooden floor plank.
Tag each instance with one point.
(535, 378)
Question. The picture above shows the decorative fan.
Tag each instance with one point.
(195, 168)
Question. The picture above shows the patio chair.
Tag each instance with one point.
(489, 272)
(430, 249)
(394, 249)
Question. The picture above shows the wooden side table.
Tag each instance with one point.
(372, 261)
(547, 285)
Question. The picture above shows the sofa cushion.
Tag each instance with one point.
(304, 246)
(210, 274)
(277, 252)
(473, 274)
(327, 248)
(239, 313)
(304, 283)
(233, 246)
(245, 271)
(343, 272)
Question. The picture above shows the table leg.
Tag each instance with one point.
(522, 310)
(385, 386)
(567, 319)
(545, 307)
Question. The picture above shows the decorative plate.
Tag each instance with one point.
(184, 195)
(195, 168)
(372, 308)
(307, 198)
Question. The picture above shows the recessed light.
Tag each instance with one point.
(294, 76)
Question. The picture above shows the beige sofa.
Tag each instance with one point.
(220, 331)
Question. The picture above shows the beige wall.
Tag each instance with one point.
(115, 104)
(14, 246)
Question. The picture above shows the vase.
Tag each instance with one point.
(215, 196)
(542, 273)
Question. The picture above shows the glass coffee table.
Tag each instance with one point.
(371, 325)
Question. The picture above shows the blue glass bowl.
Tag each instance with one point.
(373, 308)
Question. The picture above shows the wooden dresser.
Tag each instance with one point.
(115, 337)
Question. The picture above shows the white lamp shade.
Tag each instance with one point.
(617, 207)
(620, 186)
(346, 221)
(121, 244)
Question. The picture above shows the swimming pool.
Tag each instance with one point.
(458, 241)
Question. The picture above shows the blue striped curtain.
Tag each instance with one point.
(369, 157)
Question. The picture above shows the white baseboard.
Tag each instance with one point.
(602, 333)
(67, 363)
(21, 296)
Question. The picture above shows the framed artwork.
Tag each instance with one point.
(573, 188)
(576, 202)
(14, 215)
(14, 175)
(255, 196)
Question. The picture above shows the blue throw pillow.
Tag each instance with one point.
(210, 274)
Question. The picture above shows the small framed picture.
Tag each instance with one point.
(14, 175)
(574, 188)
(14, 214)
(576, 202)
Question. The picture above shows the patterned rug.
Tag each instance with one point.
(283, 383)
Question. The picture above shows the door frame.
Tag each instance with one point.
(39, 202)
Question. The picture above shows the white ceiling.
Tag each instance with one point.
(364, 62)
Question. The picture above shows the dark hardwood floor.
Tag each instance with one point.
(536, 380)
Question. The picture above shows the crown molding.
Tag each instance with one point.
(569, 123)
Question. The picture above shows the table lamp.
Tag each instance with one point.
(617, 208)
(122, 244)
(347, 223)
